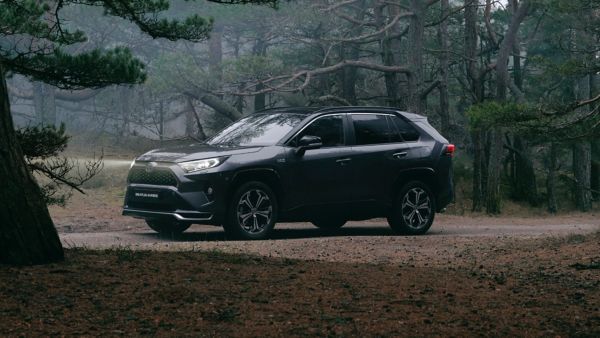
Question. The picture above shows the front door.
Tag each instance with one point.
(322, 176)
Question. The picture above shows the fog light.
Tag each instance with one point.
(209, 190)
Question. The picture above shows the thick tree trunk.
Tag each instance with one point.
(220, 106)
(444, 58)
(350, 74)
(551, 179)
(582, 168)
(477, 89)
(494, 196)
(493, 192)
(415, 56)
(27, 234)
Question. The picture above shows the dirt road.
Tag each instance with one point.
(366, 242)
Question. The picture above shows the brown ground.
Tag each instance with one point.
(542, 287)
(475, 275)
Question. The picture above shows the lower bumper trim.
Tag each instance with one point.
(185, 216)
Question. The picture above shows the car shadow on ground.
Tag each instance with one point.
(279, 234)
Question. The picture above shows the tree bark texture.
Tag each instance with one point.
(416, 33)
(27, 233)
(494, 196)
(477, 192)
(552, 165)
(582, 169)
(444, 57)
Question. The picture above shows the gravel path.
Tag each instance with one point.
(368, 242)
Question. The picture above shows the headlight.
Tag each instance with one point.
(190, 167)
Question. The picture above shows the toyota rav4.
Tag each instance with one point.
(321, 165)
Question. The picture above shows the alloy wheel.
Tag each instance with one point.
(254, 211)
(416, 208)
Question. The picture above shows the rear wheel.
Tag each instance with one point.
(414, 210)
(329, 223)
(167, 228)
(252, 213)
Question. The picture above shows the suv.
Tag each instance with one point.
(322, 165)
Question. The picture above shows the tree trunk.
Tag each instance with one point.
(494, 196)
(493, 192)
(595, 180)
(215, 56)
(477, 192)
(582, 167)
(415, 56)
(125, 95)
(551, 179)
(44, 102)
(350, 74)
(161, 122)
(387, 55)
(444, 65)
(477, 89)
(260, 49)
(524, 185)
(27, 234)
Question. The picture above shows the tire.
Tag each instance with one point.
(168, 228)
(252, 212)
(413, 210)
(329, 223)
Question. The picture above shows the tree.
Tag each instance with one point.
(34, 42)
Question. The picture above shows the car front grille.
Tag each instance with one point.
(155, 176)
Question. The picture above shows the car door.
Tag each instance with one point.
(321, 176)
(381, 153)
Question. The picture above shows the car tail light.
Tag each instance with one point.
(449, 150)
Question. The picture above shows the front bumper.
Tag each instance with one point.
(194, 198)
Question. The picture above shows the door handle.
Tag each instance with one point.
(343, 161)
(400, 154)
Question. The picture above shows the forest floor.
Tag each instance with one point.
(524, 276)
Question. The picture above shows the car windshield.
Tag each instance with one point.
(257, 130)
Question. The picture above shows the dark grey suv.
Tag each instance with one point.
(322, 165)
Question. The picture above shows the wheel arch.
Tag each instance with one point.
(425, 175)
(268, 176)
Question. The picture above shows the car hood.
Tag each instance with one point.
(193, 152)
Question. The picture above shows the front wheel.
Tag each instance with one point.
(413, 211)
(168, 228)
(252, 213)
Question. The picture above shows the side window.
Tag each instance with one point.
(372, 129)
(407, 132)
(329, 128)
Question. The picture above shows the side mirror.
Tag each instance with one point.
(308, 142)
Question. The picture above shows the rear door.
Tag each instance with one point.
(384, 146)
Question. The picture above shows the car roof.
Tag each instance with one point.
(331, 109)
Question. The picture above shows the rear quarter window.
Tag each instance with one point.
(404, 129)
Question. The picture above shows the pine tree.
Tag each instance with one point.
(34, 42)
